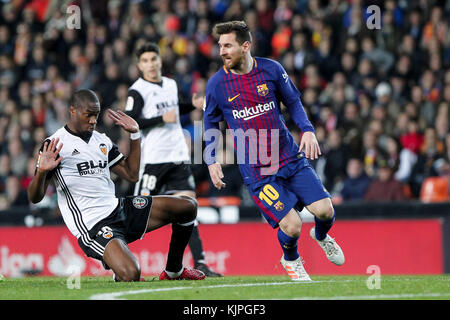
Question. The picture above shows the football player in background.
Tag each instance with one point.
(153, 102)
(78, 159)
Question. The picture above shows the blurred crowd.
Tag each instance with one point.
(378, 98)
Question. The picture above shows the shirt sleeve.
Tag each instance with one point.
(290, 96)
(114, 156)
(211, 119)
(133, 108)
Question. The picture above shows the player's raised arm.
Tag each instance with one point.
(129, 168)
(49, 159)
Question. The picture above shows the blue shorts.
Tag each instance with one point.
(296, 185)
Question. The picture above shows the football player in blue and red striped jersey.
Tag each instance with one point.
(247, 93)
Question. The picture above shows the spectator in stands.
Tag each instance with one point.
(336, 159)
(5, 171)
(384, 187)
(441, 122)
(384, 98)
(325, 42)
(431, 150)
(369, 152)
(357, 181)
(15, 194)
(413, 139)
(18, 156)
(383, 59)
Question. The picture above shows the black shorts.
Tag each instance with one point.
(127, 222)
(165, 178)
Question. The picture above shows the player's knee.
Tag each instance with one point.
(190, 207)
(128, 272)
(291, 228)
(292, 231)
(325, 212)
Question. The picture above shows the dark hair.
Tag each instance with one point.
(82, 97)
(147, 47)
(239, 28)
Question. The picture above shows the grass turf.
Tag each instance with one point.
(405, 287)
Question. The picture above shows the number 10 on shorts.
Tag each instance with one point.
(269, 194)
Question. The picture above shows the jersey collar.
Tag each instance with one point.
(157, 83)
(85, 137)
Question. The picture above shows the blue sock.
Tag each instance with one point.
(289, 245)
(323, 226)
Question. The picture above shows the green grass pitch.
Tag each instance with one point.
(405, 287)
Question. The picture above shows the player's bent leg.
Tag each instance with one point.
(196, 244)
(170, 209)
(322, 209)
(291, 224)
(181, 212)
(323, 212)
(119, 258)
(324, 219)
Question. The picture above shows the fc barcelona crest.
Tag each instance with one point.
(262, 89)
(279, 206)
(103, 148)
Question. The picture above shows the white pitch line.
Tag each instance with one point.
(118, 295)
(378, 296)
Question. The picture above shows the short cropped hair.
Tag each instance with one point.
(147, 47)
(82, 97)
(240, 29)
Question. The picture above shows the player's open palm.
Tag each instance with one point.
(49, 158)
(121, 119)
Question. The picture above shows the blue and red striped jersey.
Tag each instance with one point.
(250, 105)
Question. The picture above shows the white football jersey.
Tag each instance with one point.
(164, 142)
(86, 193)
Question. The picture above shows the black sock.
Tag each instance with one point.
(178, 242)
(195, 244)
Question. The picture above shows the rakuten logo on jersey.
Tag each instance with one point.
(253, 112)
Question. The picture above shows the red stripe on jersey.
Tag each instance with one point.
(264, 209)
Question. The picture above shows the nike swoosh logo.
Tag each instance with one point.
(231, 99)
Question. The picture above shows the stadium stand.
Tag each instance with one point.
(370, 93)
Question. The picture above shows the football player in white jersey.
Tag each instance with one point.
(78, 160)
(153, 102)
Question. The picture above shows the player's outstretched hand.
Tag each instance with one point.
(121, 119)
(216, 174)
(49, 158)
(310, 145)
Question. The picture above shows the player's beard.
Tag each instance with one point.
(236, 64)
